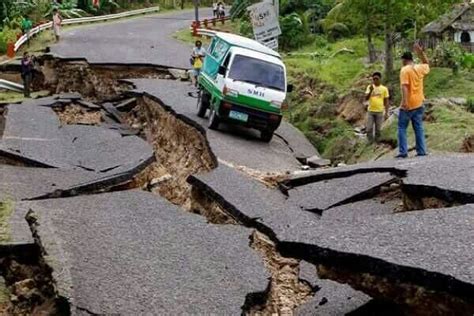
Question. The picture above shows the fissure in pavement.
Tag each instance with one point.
(181, 149)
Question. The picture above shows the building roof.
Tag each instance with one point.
(248, 43)
(446, 20)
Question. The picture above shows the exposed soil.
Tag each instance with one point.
(286, 290)
(180, 149)
(96, 82)
(414, 299)
(75, 114)
(205, 206)
(270, 179)
(468, 144)
(30, 286)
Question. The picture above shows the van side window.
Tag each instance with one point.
(211, 46)
(220, 49)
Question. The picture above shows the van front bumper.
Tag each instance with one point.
(256, 119)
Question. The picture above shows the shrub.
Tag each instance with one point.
(245, 28)
(470, 104)
(7, 35)
(337, 31)
(448, 54)
(294, 32)
(468, 61)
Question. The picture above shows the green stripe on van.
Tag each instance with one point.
(242, 100)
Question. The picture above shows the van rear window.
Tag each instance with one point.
(258, 72)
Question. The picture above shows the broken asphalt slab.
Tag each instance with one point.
(431, 250)
(236, 145)
(319, 196)
(27, 183)
(34, 133)
(132, 252)
(452, 172)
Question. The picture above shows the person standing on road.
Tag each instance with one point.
(412, 103)
(27, 73)
(215, 9)
(377, 95)
(197, 60)
(221, 10)
(57, 20)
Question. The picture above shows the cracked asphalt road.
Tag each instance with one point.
(142, 40)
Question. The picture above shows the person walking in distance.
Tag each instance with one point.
(215, 8)
(26, 26)
(56, 24)
(412, 103)
(26, 73)
(377, 95)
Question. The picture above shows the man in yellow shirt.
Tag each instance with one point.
(411, 105)
(377, 95)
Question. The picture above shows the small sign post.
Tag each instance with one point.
(266, 27)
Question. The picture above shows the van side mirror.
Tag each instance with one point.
(289, 88)
(222, 70)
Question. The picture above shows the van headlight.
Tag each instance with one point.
(230, 92)
(276, 104)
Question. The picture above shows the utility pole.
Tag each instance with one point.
(196, 10)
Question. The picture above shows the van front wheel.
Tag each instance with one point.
(203, 104)
(266, 135)
(213, 119)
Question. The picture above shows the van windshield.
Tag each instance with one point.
(258, 72)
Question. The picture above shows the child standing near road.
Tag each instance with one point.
(56, 24)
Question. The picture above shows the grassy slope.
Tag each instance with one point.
(329, 77)
(14, 97)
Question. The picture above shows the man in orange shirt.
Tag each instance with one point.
(411, 106)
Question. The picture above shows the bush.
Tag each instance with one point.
(7, 35)
(245, 28)
(448, 54)
(337, 31)
(470, 104)
(468, 61)
(294, 32)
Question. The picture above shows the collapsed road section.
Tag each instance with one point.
(384, 237)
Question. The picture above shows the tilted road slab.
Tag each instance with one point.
(132, 252)
(319, 196)
(33, 133)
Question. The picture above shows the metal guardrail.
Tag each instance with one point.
(206, 32)
(5, 84)
(22, 40)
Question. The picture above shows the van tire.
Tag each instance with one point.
(213, 119)
(266, 135)
(203, 104)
